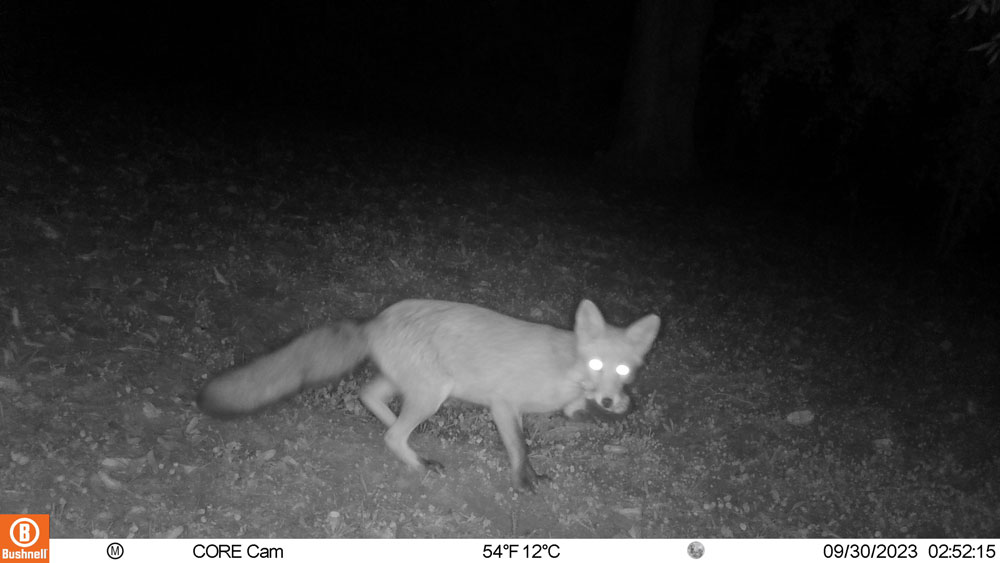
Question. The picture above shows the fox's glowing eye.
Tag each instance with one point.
(622, 370)
(595, 364)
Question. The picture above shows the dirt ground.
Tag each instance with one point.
(800, 387)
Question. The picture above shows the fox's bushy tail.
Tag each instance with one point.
(316, 357)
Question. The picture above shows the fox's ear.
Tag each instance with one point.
(589, 322)
(642, 333)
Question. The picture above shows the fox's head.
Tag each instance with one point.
(610, 355)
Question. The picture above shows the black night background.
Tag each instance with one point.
(804, 191)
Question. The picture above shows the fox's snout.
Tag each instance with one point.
(617, 403)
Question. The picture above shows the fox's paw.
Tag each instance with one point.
(528, 480)
(582, 415)
(432, 465)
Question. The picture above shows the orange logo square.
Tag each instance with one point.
(24, 537)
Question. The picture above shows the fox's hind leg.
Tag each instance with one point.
(417, 407)
(376, 396)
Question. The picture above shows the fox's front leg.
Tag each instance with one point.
(508, 422)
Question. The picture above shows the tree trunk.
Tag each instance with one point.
(655, 134)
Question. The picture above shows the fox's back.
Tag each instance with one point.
(479, 354)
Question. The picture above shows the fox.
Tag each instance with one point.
(428, 351)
